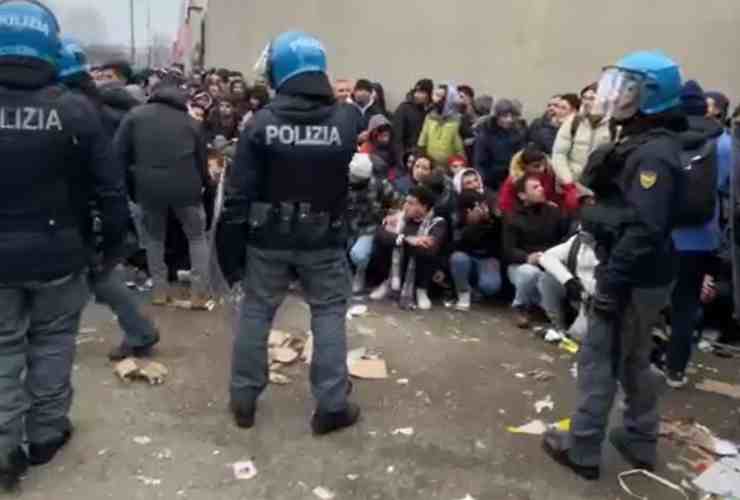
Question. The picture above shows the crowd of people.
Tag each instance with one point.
(616, 203)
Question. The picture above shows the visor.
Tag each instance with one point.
(619, 94)
(261, 67)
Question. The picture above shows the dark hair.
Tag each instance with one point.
(467, 90)
(573, 100)
(468, 199)
(260, 93)
(380, 97)
(120, 66)
(591, 86)
(521, 183)
(435, 181)
(532, 154)
(424, 195)
(424, 157)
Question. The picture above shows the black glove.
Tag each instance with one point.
(574, 290)
(605, 304)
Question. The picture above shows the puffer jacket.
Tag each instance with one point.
(507, 197)
(440, 137)
(570, 153)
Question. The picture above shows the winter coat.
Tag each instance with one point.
(555, 262)
(507, 197)
(366, 113)
(532, 229)
(570, 153)
(494, 149)
(385, 157)
(482, 240)
(542, 132)
(117, 102)
(408, 120)
(165, 151)
(440, 137)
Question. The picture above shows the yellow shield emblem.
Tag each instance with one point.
(648, 178)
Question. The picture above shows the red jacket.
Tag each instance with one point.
(507, 198)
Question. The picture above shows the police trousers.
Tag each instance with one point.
(38, 328)
(325, 278)
(617, 350)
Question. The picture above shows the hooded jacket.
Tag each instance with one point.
(440, 137)
(408, 120)
(494, 149)
(385, 157)
(117, 102)
(507, 198)
(489, 195)
(570, 153)
(164, 149)
(705, 237)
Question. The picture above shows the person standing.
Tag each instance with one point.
(167, 155)
(408, 119)
(54, 164)
(288, 189)
(637, 183)
(498, 141)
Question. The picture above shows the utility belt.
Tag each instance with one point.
(295, 225)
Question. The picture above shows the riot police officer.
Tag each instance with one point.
(637, 182)
(52, 151)
(288, 190)
(140, 334)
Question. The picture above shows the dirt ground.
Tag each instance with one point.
(459, 399)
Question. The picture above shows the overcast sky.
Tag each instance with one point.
(165, 15)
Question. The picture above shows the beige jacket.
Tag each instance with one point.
(569, 154)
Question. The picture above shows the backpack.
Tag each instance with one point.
(575, 247)
(700, 185)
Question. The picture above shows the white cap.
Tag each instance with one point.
(361, 167)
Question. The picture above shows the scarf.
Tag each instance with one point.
(407, 291)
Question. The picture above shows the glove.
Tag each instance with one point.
(231, 242)
(570, 198)
(604, 304)
(574, 290)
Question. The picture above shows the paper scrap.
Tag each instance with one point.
(277, 338)
(402, 381)
(520, 375)
(356, 355)
(244, 470)
(369, 369)
(284, 355)
(279, 378)
(543, 404)
(323, 493)
(535, 428)
(546, 358)
(149, 481)
(357, 311)
(553, 336)
(468, 497)
(722, 388)
(640, 472)
(353, 477)
(131, 369)
(405, 431)
(142, 440)
(368, 332)
(307, 354)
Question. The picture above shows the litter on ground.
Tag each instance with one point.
(722, 388)
(662, 481)
(544, 404)
(244, 470)
(323, 493)
(404, 431)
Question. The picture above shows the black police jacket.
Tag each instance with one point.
(290, 177)
(56, 158)
(632, 219)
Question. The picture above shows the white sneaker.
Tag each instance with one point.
(396, 284)
(381, 292)
(358, 284)
(422, 299)
(463, 302)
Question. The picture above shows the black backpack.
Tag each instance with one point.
(700, 185)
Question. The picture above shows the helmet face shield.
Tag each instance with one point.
(262, 66)
(619, 94)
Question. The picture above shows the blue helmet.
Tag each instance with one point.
(661, 88)
(73, 60)
(28, 29)
(291, 54)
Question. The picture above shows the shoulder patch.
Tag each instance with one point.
(648, 178)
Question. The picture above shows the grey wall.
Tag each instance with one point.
(527, 49)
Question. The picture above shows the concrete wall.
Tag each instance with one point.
(527, 49)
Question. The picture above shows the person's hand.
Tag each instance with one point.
(708, 290)
(420, 241)
(574, 290)
(553, 204)
(534, 258)
(473, 216)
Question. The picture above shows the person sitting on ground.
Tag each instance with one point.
(408, 249)
(579, 136)
(530, 161)
(369, 199)
(440, 136)
(381, 148)
(456, 164)
(422, 168)
(534, 227)
(543, 130)
(569, 280)
(469, 179)
(475, 260)
(497, 142)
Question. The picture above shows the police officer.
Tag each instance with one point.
(140, 334)
(52, 150)
(637, 182)
(288, 188)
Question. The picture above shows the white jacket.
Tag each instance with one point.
(570, 154)
(555, 261)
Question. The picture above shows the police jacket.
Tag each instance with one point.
(631, 220)
(291, 173)
(165, 151)
(56, 156)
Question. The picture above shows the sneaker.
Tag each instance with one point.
(358, 284)
(463, 302)
(521, 317)
(160, 297)
(422, 299)
(675, 380)
(324, 423)
(43, 453)
(553, 446)
(124, 350)
(10, 476)
(381, 292)
(243, 415)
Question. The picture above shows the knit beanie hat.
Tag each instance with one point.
(693, 102)
(504, 107)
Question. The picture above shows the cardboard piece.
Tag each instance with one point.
(721, 478)
(307, 353)
(369, 369)
(284, 355)
(153, 372)
(279, 378)
(278, 338)
(722, 388)
(126, 369)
